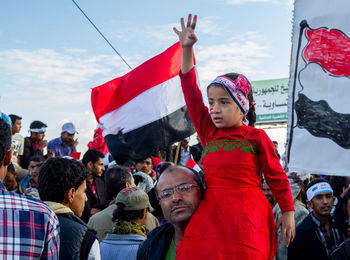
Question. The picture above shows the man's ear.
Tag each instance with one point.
(309, 203)
(144, 214)
(7, 158)
(89, 165)
(69, 196)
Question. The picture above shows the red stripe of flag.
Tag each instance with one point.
(117, 92)
(329, 48)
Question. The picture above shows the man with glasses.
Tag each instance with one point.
(179, 191)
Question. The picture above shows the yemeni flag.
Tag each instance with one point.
(330, 49)
(144, 110)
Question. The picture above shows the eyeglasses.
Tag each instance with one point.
(181, 189)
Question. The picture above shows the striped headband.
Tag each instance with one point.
(318, 188)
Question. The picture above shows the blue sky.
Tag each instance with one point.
(51, 57)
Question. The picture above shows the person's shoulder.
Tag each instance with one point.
(54, 141)
(105, 214)
(306, 225)
(23, 204)
(166, 229)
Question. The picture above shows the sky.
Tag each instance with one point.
(51, 56)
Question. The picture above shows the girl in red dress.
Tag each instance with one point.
(234, 220)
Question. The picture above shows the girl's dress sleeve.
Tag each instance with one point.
(274, 175)
(196, 109)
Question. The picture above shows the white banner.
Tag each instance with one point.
(319, 90)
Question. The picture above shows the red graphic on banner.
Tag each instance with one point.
(329, 48)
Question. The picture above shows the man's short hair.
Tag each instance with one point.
(116, 179)
(197, 176)
(57, 175)
(14, 118)
(36, 158)
(92, 155)
(37, 125)
(5, 138)
(142, 159)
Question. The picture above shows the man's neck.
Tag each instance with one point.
(323, 219)
(179, 233)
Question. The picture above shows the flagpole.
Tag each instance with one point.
(177, 152)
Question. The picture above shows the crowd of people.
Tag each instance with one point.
(226, 197)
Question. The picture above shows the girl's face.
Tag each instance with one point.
(223, 110)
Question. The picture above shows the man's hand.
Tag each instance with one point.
(74, 144)
(42, 144)
(286, 221)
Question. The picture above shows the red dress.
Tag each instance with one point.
(234, 220)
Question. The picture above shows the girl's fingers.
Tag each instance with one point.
(176, 31)
(283, 233)
(189, 20)
(182, 23)
(193, 25)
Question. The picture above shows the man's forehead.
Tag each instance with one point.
(175, 177)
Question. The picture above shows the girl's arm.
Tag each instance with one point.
(197, 110)
(278, 182)
(187, 40)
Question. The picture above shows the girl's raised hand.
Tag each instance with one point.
(186, 35)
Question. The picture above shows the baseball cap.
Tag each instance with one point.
(69, 128)
(134, 199)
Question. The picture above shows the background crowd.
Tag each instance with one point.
(92, 208)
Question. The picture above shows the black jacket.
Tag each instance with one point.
(307, 244)
(342, 252)
(76, 238)
(157, 243)
(29, 150)
(92, 201)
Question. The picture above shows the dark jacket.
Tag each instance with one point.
(76, 237)
(307, 243)
(29, 150)
(92, 201)
(342, 252)
(157, 243)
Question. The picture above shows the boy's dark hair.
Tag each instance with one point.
(138, 160)
(115, 180)
(314, 181)
(5, 139)
(57, 175)
(338, 183)
(36, 158)
(11, 168)
(37, 124)
(92, 155)
(14, 118)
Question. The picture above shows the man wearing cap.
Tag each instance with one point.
(35, 143)
(130, 227)
(318, 235)
(65, 144)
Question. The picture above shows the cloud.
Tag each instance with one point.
(52, 86)
(243, 55)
